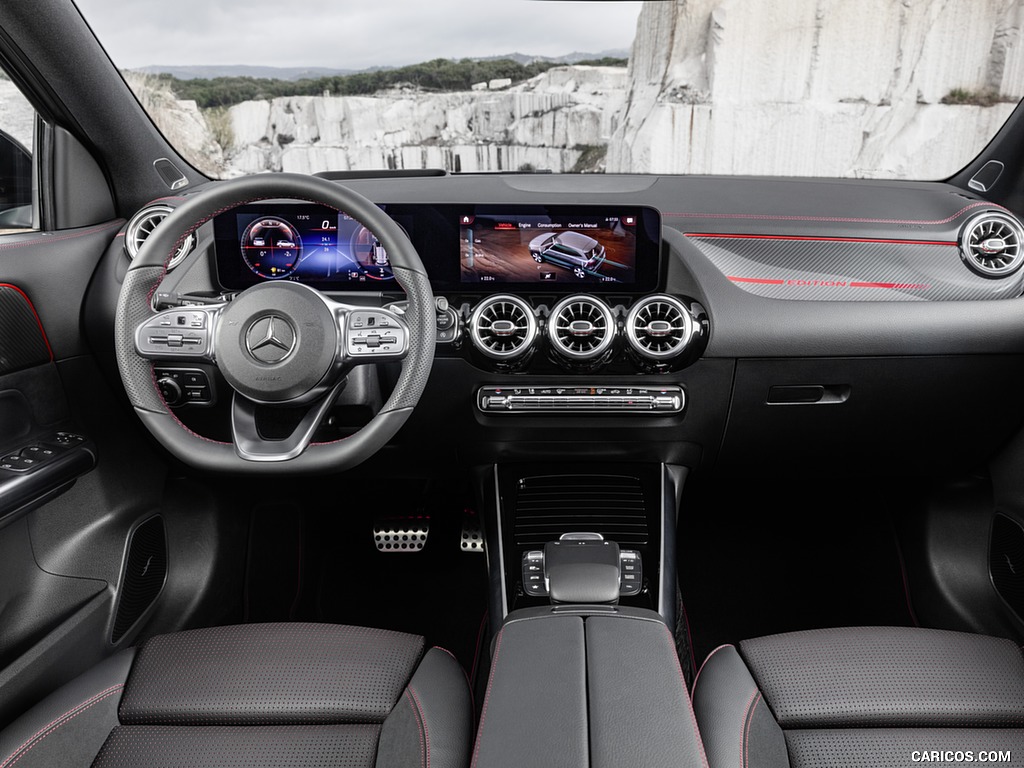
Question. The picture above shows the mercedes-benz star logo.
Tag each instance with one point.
(270, 339)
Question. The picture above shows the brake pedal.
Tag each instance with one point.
(396, 535)
(472, 539)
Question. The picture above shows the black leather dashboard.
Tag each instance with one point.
(911, 334)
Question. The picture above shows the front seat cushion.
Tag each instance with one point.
(265, 695)
(864, 696)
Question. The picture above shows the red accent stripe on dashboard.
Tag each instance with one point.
(723, 236)
(758, 280)
(893, 286)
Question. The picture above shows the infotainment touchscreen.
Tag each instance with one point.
(558, 246)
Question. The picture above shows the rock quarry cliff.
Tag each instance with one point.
(792, 87)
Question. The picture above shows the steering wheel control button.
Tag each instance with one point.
(174, 333)
(270, 339)
(376, 333)
(182, 386)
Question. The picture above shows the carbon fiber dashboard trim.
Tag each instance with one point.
(850, 269)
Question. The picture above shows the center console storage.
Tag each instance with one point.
(534, 510)
(575, 686)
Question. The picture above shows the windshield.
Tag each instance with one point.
(875, 88)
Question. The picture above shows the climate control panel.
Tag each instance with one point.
(574, 399)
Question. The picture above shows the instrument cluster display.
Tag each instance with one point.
(309, 243)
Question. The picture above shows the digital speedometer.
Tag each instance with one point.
(271, 247)
(371, 259)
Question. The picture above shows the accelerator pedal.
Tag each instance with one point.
(398, 535)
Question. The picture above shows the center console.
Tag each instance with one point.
(534, 511)
(586, 686)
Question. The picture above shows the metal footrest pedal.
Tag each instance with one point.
(397, 535)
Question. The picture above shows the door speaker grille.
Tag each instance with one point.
(144, 573)
(1006, 562)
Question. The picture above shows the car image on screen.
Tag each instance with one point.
(572, 250)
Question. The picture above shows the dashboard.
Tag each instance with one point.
(713, 322)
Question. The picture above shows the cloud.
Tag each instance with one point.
(347, 35)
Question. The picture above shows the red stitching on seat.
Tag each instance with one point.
(487, 700)
(465, 674)
(420, 727)
(693, 691)
(423, 723)
(748, 717)
(689, 708)
(53, 725)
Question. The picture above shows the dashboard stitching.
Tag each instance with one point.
(780, 217)
(44, 237)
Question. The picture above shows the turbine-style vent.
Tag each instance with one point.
(990, 244)
(581, 327)
(141, 227)
(503, 327)
(659, 327)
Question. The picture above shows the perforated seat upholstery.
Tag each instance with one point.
(256, 695)
(865, 696)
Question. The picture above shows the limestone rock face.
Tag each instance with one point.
(181, 121)
(545, 123)
(861, 92)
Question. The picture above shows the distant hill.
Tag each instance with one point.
(208, 72)
(212, 71)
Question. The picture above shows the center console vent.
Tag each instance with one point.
(548, 506)
(503, 327)
(659, 327)
(581, 327)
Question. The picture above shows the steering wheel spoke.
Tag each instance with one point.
(183, 333)
(251, 445)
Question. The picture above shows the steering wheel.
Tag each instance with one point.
(278, 344)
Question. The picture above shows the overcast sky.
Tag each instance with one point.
(350, 35)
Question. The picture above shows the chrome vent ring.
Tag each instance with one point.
(659, 327)
(992, 244)
(503, 327)
(581, 327)
(142, 226)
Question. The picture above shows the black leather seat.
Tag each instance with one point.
(256, 695)
(864, 696)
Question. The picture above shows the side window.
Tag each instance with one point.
(17, 129)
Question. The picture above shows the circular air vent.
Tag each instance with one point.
(990, 244)
(581, 327)
(503, 327)
(659, 327)
(141, 227)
